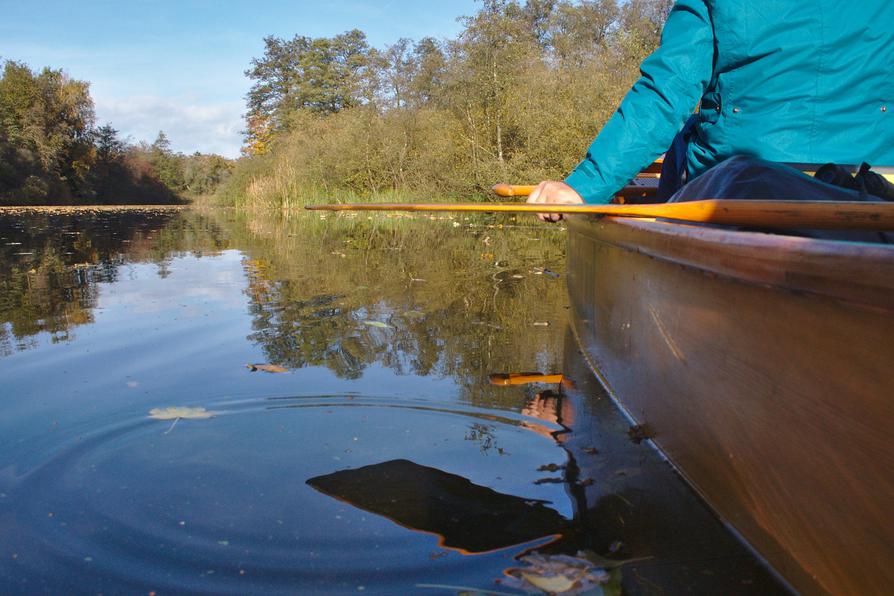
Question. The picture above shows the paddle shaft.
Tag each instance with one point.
(761, 214)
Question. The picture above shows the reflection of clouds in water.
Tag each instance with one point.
(145, 292)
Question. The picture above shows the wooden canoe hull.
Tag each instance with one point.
(762, 366)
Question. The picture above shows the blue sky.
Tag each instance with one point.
(178, 66)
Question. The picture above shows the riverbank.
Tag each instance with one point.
(87, 208)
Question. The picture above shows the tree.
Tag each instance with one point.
(109, 147)
(167, 166)
(494, 49)
(539, 13)
(517, 94)
(581, 32)
(429, 71)
(109, 154)
(202, 174)
(48, 118)
(323, 75)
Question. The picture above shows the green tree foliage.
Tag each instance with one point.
(167, 165)
(322, 75)
(47, 120)
(51, 150)
(518, 94)
(202, 173)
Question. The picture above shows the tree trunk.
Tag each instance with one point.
(497, 113)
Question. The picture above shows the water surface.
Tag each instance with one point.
(380, 461)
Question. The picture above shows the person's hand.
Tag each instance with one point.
(553, 191)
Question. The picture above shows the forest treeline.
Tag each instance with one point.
(53, 152)
(517, 95)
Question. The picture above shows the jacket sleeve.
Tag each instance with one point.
(672, 81)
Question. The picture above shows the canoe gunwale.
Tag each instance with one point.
(861, 274)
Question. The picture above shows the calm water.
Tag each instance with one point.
(382, 460)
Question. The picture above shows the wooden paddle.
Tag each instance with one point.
(761, 214)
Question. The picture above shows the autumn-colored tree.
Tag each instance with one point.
(47, 120)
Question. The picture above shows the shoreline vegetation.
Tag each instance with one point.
(53, 153)
(516, 95)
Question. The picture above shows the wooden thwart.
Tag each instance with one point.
(757, 214)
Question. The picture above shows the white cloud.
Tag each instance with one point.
(190, 126)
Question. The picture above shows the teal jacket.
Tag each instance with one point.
(784, 80)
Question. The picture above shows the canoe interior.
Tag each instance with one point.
(761, 364)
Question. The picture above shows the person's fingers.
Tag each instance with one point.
(534, 197)
(548, 192)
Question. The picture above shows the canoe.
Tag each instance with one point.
(761, 367)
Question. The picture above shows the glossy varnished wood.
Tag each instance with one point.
(762, 365)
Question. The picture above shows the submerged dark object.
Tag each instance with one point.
(469, 518)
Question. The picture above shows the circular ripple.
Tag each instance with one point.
(223, 504)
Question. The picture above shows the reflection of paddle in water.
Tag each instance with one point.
(524, 378)
(469, 518)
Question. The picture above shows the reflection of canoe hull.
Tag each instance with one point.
(762, 365)
(469, 518)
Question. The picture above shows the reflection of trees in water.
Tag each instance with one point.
(457, 300)
(52, 262)
(45, 295)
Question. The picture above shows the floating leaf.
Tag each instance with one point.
(557, 583)
(174, 413)
(377, 324)
(556, 574)
(270, 368)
